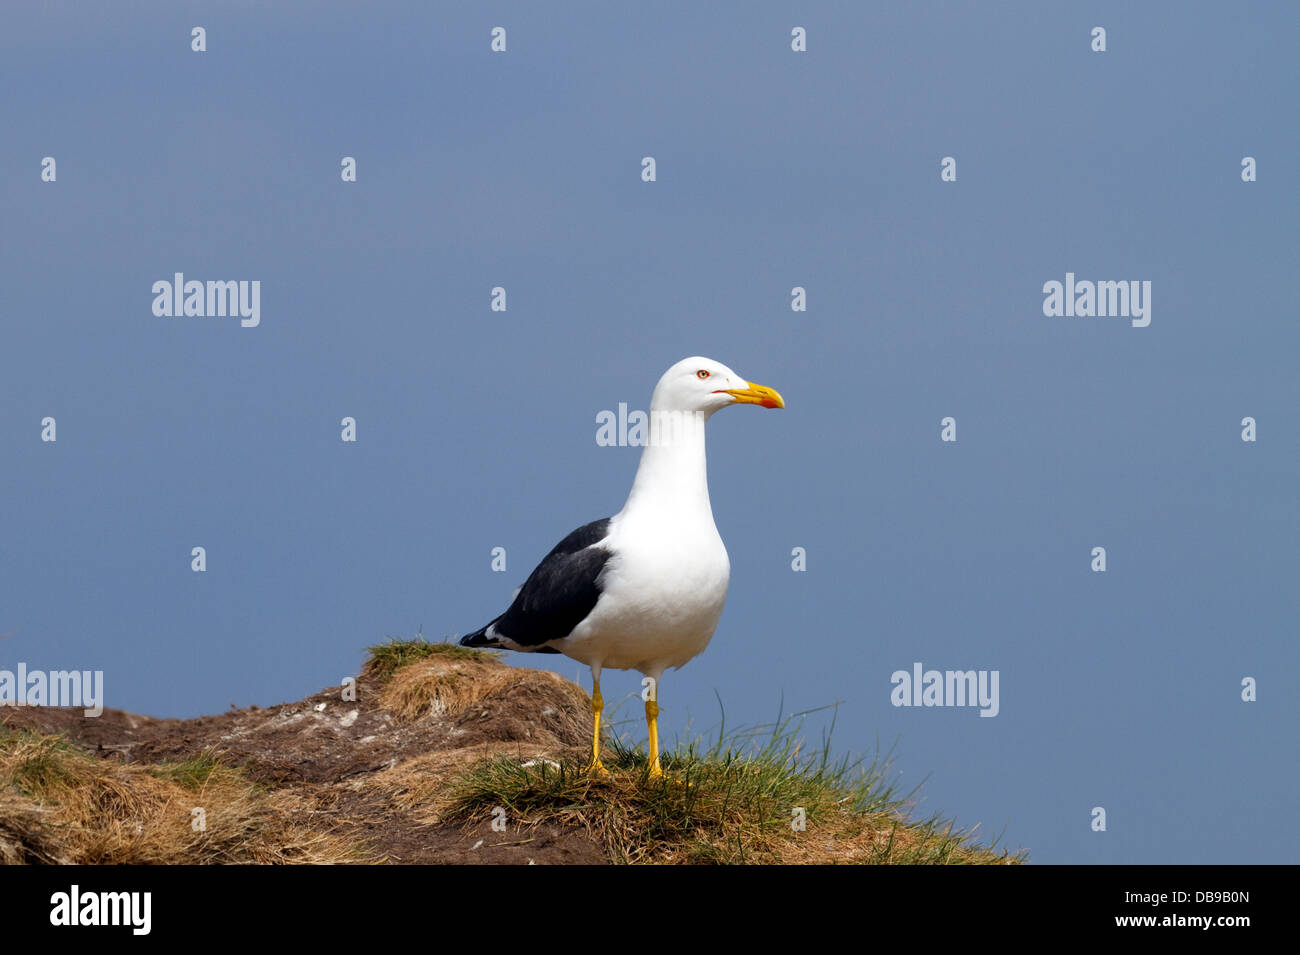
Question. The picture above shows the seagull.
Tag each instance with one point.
(642, 590)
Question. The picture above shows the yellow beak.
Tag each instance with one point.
(757, 395)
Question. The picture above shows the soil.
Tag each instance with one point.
(326, 746)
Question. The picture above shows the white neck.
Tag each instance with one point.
(673, 476)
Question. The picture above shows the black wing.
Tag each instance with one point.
(555, 598)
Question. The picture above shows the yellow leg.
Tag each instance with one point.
(652, 720)
(597, 768)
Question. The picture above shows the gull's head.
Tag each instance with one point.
(704, 385)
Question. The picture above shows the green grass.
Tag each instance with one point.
(191, 773)
(728, 801)
(42, 765)
(386, 658)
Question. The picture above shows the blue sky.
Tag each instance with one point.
(476, 429)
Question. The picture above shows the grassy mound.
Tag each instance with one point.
(419, 679)
(418, 764)
(733, 802)
(387, 658)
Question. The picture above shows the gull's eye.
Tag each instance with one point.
(702, 374)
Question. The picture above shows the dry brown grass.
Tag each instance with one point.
(439, 686)
(421, 784)
(445, 685)
(59, 805)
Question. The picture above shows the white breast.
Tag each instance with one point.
(662, 595)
